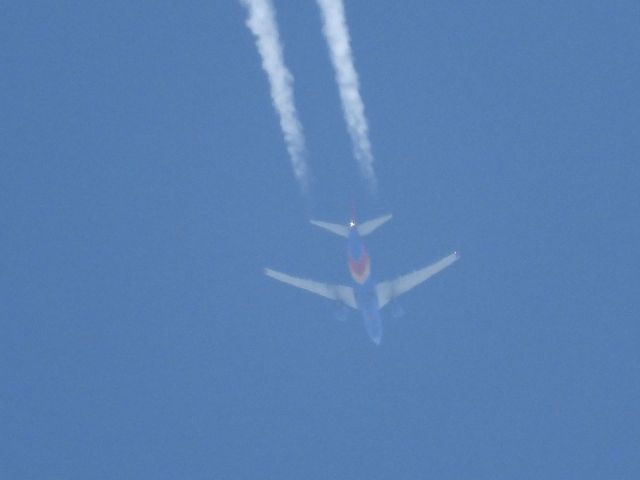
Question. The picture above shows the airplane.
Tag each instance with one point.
(364, 294)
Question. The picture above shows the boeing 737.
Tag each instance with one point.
(364, 294)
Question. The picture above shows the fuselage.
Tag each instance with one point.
(359, 264)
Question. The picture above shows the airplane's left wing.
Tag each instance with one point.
(340, 293)
(387, 291)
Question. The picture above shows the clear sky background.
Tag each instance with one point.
(145, 184)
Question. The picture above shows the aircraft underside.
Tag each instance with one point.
(364, 295)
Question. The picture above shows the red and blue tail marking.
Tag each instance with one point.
(360, 267)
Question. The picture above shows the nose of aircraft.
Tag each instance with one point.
(373, 325)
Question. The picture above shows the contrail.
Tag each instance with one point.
(337, 36)
(262, 23)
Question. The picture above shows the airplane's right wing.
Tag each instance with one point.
(333, 292)
(387, 291)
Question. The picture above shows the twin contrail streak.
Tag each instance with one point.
(337, 36)
(262, 23)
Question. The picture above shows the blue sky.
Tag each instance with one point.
(145, 184)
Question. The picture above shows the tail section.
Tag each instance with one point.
(341, 230)
(367, 227)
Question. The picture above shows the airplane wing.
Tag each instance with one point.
(387, 291)
(333, 292)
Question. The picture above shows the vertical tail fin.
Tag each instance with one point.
(367, 227)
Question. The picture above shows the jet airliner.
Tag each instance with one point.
(364, 294)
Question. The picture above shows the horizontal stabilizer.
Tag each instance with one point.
(367, 227)
(341, 230)
(387, 291)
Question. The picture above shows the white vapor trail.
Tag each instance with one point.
(337, 36)
(262, 23)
